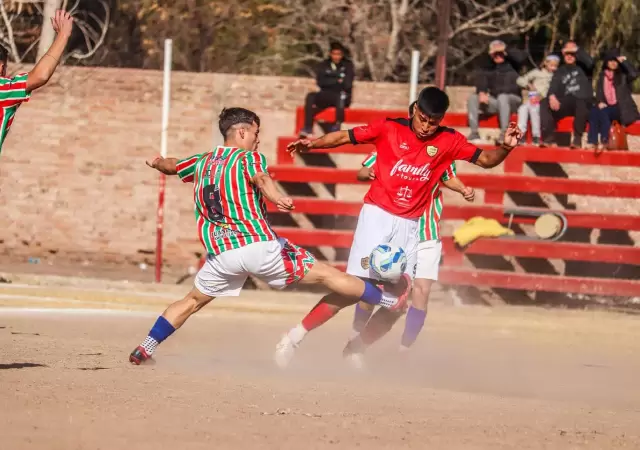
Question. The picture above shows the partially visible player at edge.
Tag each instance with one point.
(366, 329)
(412, 156)
(17, 90)
(230, 185)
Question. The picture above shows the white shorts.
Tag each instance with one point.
(278, 263)
(377, 226)
(429, 255)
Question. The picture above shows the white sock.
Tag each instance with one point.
(149, 345)
(297, 334)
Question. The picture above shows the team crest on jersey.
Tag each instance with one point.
(432, 150)
(364, 262)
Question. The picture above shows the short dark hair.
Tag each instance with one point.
(235, 116)
(336, 46)
(433, 101)
(411, 108)
(4, 54)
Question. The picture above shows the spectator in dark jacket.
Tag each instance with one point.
(496, 89)
(613, 98)
(334, 77)
(570, 94)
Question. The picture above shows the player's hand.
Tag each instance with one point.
(153, 161)
(372, 174)
(554, 104)
(62, 22)
(285, 204)
(469, 194)
(512, 136)
(299, 146)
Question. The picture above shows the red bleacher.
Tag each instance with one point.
(495, 186)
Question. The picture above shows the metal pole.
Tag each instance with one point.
(443, 41)
(166, 98)
(415, 70)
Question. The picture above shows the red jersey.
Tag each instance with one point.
(407, 168)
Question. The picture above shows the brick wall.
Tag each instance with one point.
(72, 177)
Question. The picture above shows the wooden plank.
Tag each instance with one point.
(575, 219)
(509, 247)
(489, 181)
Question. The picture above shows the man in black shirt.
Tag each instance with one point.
(496, 89)
(335, 80)
(570, 94)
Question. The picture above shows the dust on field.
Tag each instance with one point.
(478, 378)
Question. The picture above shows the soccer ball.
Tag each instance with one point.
(388, 262)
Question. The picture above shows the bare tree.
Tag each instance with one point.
(24, 23)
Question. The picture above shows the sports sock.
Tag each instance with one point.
(372, 294)
(297, 334)
(161, 330)
(319, 315)
(360, 318)
(412, 326)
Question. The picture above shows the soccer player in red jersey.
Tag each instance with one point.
(230, 185)
(17, 90)
(412, 156)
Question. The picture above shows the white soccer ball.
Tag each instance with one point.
(388, 262)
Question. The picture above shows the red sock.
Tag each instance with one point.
(319, 315)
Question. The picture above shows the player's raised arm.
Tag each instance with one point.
(44, 69)
(489, 159)
(255, 166)
(329, 140)
(168, 166)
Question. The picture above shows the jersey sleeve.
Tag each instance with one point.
(367, 134)
(254, 163)
(187, 168)
(449, 173)
(14, 90)
(370, 160)
(464, 150)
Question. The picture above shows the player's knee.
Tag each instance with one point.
(420, 293)
(195, 301)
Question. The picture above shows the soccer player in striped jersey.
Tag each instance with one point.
(230, 186)
(17, 90)
(429, 254)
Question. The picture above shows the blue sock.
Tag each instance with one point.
(360, 318)
(413, 325)
(161, 330)
(372, 294)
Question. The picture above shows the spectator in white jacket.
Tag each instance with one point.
(537, 82)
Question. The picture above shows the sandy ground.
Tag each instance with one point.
(478, 378)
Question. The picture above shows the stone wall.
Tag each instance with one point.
(72, 177)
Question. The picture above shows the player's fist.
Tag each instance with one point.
(469, 194)
(299, 146)
(152, 162)
(62, 22)
(372, 174)
(285, 204)
(512, 135)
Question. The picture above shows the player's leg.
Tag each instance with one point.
(361, 316)
(221, 275)
(428, 266)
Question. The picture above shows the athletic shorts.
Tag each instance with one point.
(429, 255)
(377, 226)
(278, 263)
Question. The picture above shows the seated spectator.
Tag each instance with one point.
(496, 89)
(335, 80)
(570, 94)
(537, 83)
(613, 98)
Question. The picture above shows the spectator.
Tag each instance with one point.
(570, 94)
(496, 89)
(335, 80)
(537, 82)
(613, 98)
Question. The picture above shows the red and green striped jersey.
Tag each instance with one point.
(13, 92)
(429, 224)
(230, 211)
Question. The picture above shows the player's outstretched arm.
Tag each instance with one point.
(489, 159)
(43, 70)
(269, 189)
(329, 140)
(458, 186)
(168, 166)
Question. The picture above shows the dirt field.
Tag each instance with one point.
(479, 378)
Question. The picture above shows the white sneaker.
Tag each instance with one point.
(355, 360)
(284, 352)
